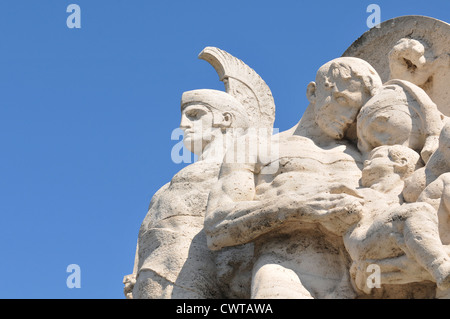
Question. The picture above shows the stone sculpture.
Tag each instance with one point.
(401, 113)
(361, 180)
(249, 206)
(172, 259)
(388, 231)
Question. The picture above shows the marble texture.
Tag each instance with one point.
(351, 202)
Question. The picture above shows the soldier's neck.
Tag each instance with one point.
(213, 152)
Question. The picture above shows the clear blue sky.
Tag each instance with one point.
(86, 115)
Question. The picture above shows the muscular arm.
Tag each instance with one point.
(130, 280)
(446, 191)
(437, 194)
(233, 216)
(231, 197)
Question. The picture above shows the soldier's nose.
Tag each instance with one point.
(185, 123)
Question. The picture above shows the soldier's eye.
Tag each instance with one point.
(192, 113)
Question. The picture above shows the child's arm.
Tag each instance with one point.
(445, 178)
(434, 192)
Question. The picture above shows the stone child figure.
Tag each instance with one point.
(294, 216)
(439, 163)
(392, 235)
(425, 64)
(173, 260)
(437, 178)
(400, 113)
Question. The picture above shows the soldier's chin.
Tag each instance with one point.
(193, 146)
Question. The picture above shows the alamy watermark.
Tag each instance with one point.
(74, 19)
(374, 279)
(231, 145)
(374, 19)
(74, 279)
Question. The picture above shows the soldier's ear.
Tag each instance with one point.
(311, 92)
(227, 120)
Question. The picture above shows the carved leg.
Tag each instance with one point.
(273, 281)
(418, 223)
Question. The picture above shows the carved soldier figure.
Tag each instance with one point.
(172, 259)
(306, 219)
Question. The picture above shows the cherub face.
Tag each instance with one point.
(197, 124)
(377, 166)
(389, 127)
(337, 105)
(387, 119)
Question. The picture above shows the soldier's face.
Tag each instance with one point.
(197, 124)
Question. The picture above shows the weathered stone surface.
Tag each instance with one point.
(418, 50)
(351, 202)
(172, 257)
